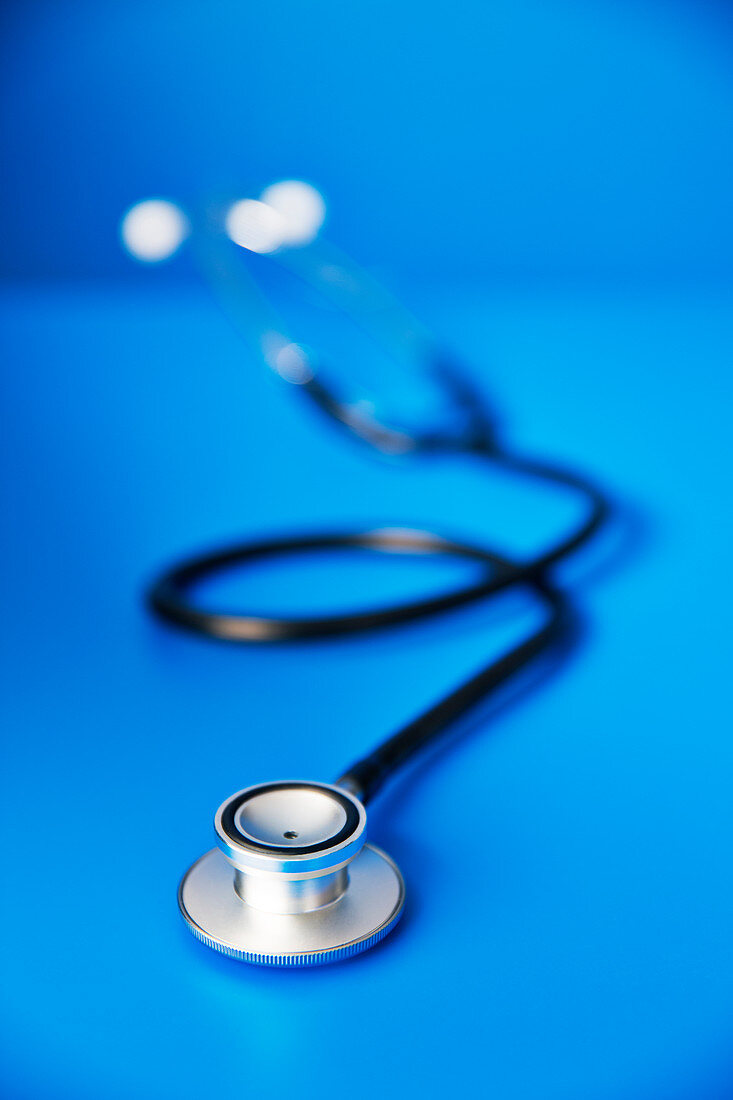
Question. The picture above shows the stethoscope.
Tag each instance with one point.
(293, 881)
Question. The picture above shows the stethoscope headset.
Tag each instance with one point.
(293, 881)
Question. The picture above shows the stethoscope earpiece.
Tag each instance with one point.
(293, 881)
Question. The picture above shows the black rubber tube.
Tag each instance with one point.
(171, 598)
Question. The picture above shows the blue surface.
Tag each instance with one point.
(570, 903)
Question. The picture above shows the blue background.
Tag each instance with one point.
(549, 185)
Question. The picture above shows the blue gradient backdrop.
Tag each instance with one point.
(549, 184)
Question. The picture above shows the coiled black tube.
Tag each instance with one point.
(170, 597)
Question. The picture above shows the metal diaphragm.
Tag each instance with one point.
(293, 882)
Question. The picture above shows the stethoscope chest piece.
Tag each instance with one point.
(293, 882)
